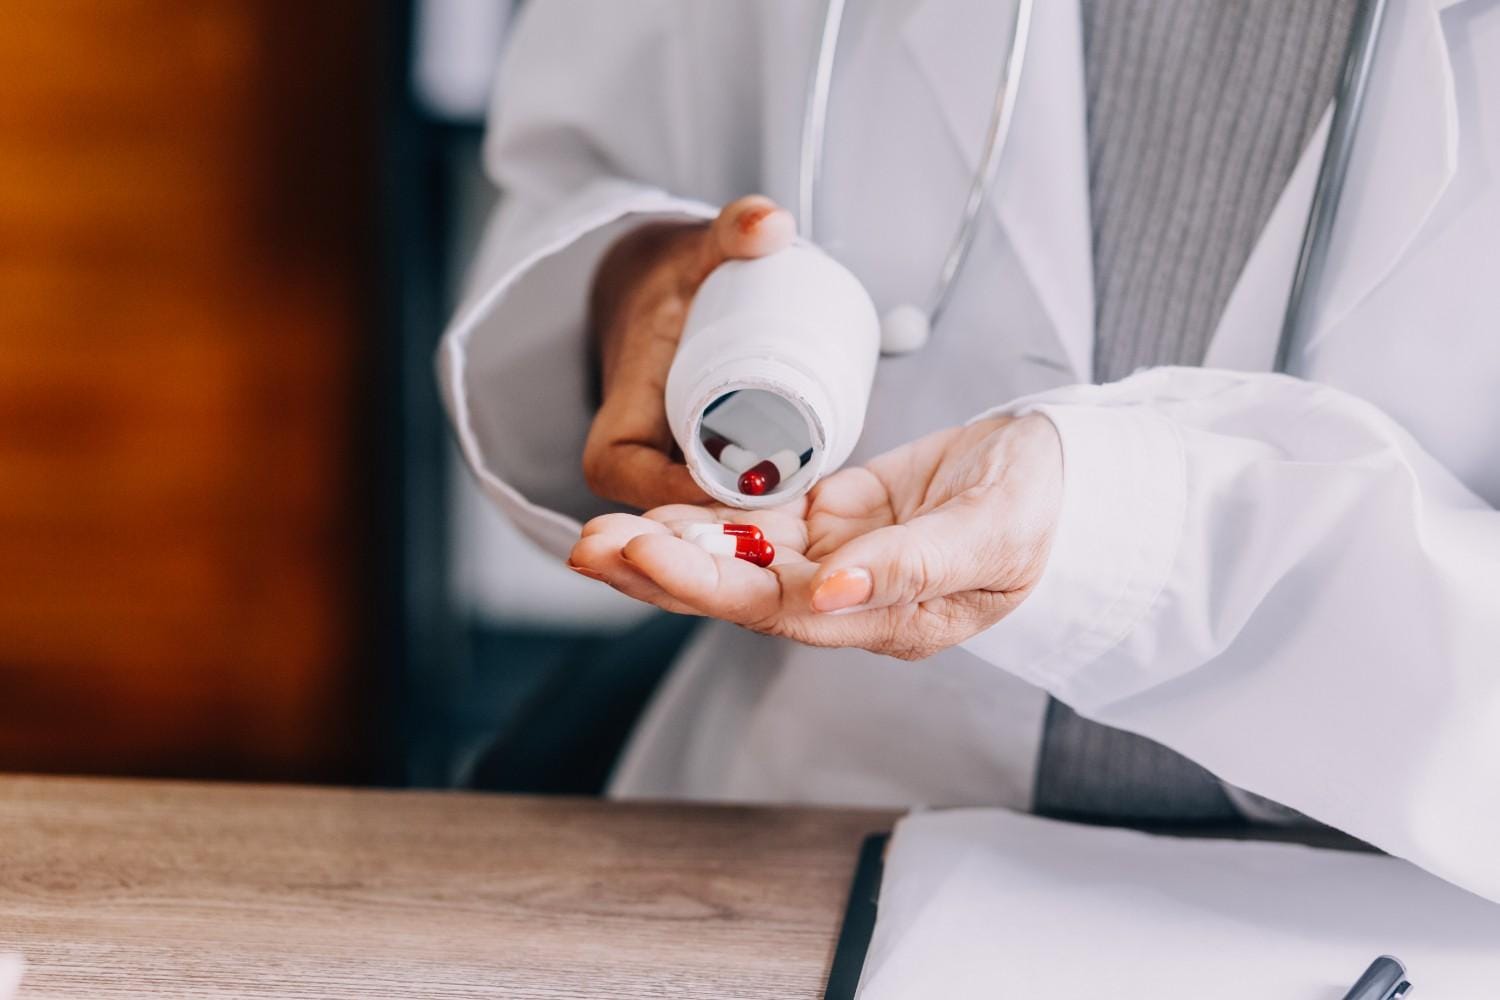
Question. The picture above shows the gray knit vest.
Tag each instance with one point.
(1197, 113)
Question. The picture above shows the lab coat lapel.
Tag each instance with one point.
(1406, 152)
(1041, 193)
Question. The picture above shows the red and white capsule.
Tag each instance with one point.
(743, 541)
(728, 454)
(737, 459)
(698, 529)
(715, 444)
(765, 476)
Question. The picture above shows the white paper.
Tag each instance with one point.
(988, 903)
(10, 975)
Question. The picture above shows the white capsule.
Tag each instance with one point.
(787, 463)
(721, 538)
(697, 529)
(714, 543)
(737, 459)
(904, 329)
(694, 529)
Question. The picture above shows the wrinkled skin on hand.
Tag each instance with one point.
(918, 550)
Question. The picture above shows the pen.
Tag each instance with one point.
(1385, 979)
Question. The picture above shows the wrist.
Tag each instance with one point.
(1119, 525)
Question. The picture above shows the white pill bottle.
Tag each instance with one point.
(779, 354)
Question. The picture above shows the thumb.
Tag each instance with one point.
(753, 226)
(955, 548)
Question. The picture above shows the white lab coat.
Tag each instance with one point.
(1293, 580)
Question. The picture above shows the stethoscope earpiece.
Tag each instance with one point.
(904, 329)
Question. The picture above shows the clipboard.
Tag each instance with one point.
(859, 919)
(1076, 905)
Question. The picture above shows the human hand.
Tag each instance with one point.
(920, 549)
(642, 291)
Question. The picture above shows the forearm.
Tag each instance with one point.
(1275, 580)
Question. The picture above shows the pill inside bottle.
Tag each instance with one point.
(767, 474)
(758, 442)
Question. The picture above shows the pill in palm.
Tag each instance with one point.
(700, 528)
(743, 541)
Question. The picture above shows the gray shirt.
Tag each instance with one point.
(1197, 113)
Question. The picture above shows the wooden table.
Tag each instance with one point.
(143, 889)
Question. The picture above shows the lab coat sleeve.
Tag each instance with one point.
(1273, 578)
(585, 135)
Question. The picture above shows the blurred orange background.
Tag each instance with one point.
(186, 251)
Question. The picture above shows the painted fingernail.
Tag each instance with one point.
(751, 217)
(846, 588)
(586, 572)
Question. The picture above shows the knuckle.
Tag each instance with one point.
(595, 525)
(925, 650)
(601, 473)
(765, 625)
(911, 652)
(756, 615)
(982, 608)
(594, 467)
(905, 652)
(912, 573)
(921, 635)
(768, 619)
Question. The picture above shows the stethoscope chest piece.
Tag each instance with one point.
(908, 328)
(903, 330)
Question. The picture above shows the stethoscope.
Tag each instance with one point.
(907, 327)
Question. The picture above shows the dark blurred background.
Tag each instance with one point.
(235, 542)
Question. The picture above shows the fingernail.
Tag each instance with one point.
(750, 218)
(586, 572)
(846, 588)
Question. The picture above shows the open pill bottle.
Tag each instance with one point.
(777, 358)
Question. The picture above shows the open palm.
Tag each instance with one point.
(920, 548)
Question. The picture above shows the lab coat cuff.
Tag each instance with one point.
(1116, 540)
(491, 415)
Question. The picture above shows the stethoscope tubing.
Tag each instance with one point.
(1312, 257)
(984, 177)
(814, 144)
(815, 120)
